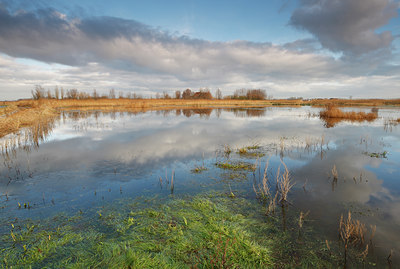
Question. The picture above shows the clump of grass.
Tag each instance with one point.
(332, 115)
(284, 183)
(236, 166)
(334, 173)
(198, 169)
(263, 191)
(227, 151)
(352, 234)
(242, 150)
(377, 154)
(283, 186)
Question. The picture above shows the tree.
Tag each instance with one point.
(62, 93)
(56, 93)
(257, 94)
(218, 94)
(187, 94)
(72, 94)
(166, 95)
(38, 92)
(111, 95)
(177, 94)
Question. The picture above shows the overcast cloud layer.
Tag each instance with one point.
(105, 52)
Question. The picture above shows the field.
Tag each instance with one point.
(18, 114)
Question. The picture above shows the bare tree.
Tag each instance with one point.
(166, 95)
(94, 94)
(218, 94)
(177, 94)
(62, 93)
(72, 94)
(38, 92)
(111, 95)
(56, 93)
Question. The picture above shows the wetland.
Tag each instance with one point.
(257, 187)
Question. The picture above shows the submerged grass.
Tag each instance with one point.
(204, 231)
(181, 233)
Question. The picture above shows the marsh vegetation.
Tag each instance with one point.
(99, 189)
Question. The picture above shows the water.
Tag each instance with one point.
(88, 160)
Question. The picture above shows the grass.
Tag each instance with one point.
(181, 233)
(20, 116)
(353, 233)
(202, 231)
(333, 115)
(250, 152)
(236, 165)
(17, 114)
(377, 154)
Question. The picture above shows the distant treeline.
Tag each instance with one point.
(59, 93)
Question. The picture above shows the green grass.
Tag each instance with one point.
(177, 234)
(377, 154)
(204, 231)
(235, 166)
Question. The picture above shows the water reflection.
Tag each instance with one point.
(88, 158)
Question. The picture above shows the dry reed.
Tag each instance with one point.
(352, 233)
(335, 174)
(284, 183)
(333, 115)
(263, 191)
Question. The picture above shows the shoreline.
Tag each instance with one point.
(15, 115)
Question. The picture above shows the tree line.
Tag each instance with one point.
(59, 93)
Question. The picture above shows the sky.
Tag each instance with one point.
(290, 48)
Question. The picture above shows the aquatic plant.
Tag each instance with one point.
(352, 234)
(197, 233)
(284, 183)
(377, 154)
(263, 190)
(240, 165)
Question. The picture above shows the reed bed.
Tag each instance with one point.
(332, 111)
(333, 115)
(24, 117)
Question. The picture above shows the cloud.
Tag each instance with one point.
(349, 26)
(107, 52)
(49, 36)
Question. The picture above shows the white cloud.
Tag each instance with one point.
(105, 52)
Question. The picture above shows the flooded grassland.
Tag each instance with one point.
(202, 188)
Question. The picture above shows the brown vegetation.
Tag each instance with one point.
(24, 114)
(333, 115)
(17, 114)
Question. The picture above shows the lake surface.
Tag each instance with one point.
(89, 160)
